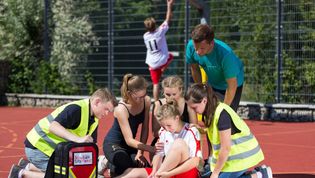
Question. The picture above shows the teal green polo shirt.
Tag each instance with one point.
(220, 64)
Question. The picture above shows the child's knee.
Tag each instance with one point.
(179, 144)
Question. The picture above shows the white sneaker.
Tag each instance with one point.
(102, 165)
(269, 171)
(266, 172)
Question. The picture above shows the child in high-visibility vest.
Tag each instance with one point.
(234, 148)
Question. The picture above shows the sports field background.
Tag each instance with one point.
(289, 148)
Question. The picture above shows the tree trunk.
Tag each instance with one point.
(4, 75)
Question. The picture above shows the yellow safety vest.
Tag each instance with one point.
(245, 151)
(45, 141)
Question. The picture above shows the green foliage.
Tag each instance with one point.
(20, 40)
(291, 84)
(298, 60)
(72, 35)
(20, 28)
(246, 26)
(132, 7)
(49, 80)
(90, 82)
(22, 73)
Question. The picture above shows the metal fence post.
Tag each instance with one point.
(46, 30)
(46, 34)
(187, 24)
(110, 45)
(279, 48)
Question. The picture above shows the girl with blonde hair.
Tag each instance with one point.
(173, 87)
(181, 154)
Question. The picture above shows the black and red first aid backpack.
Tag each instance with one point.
(74, 160)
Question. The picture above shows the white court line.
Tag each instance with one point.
(17, 148)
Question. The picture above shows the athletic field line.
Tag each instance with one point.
(17, 148)
(14, 137)
(19, 122)
(14, 156)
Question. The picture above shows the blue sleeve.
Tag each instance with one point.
(230, 66)
(190, 50)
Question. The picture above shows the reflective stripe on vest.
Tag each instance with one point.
(93, 174)
(45, 141)
(245, 151)
(71, 174)
(240, 155)
(44, 136)
(235, 141)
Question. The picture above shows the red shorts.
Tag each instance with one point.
(157, 73)
(192, 173)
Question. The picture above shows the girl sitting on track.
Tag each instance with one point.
(173, 90)
(181, 154)
(234, 147)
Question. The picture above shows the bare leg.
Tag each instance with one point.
(33, 174)
(155, 131)
(33, 168)
(178, 154)
(155, 124)
(169, 60)
(156, 92)
(134, 172)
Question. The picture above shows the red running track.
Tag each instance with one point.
(289, 148)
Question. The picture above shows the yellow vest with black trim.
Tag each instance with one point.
(245, 151)
(45, 141)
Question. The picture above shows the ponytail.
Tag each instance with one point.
(132, 83)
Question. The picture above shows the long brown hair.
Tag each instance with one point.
(196, 93)
(132, 83)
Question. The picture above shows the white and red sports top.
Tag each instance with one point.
(157, 51)
(190, 135)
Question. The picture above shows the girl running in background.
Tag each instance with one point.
(120, 147)
(158, 57)
(234, 147)
(181, 154)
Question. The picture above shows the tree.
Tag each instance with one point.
(20, 40)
